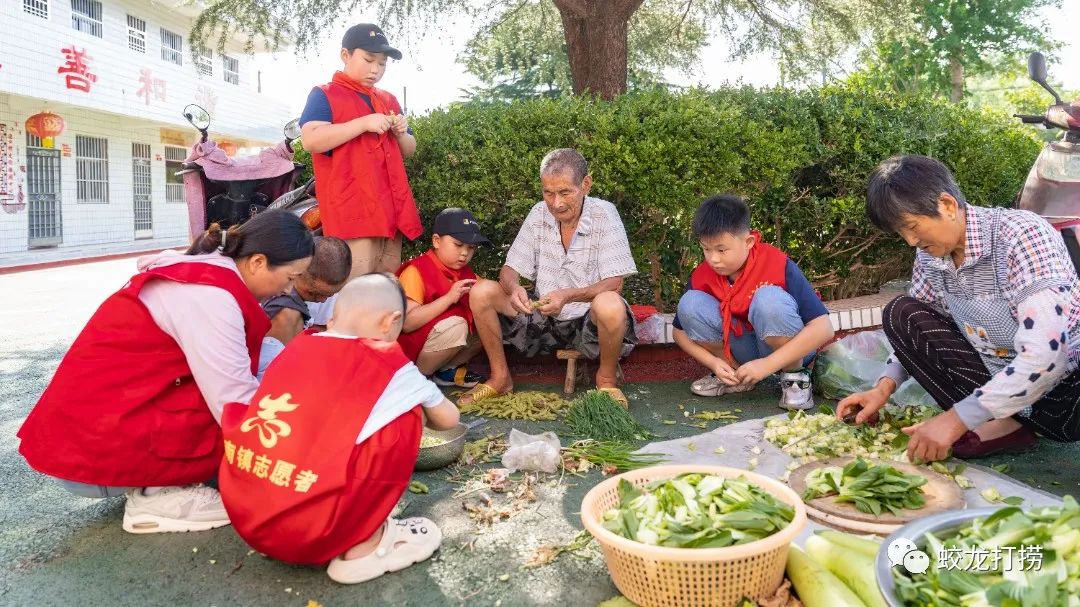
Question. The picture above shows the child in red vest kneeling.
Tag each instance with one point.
(315, 464)
(439, 333)
(748, 311)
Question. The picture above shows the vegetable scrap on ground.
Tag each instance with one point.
(703, 511)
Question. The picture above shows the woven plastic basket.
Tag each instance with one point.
(655, 576)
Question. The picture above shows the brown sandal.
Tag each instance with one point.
(478, 393)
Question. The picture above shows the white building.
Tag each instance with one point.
(119, 72)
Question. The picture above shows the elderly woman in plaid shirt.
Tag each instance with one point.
(991, 327)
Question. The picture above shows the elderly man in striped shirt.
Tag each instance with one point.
(574, 249)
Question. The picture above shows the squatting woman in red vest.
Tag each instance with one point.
(135, 406)
(358, 139)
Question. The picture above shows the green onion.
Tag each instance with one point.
(596, 415)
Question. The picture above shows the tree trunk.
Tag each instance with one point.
(956, 75)
(596, 43)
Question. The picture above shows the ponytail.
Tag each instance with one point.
(279, 235)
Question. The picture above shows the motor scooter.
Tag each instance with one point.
(229, 191)
(1052, 188)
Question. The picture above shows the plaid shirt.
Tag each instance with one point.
(1031, 269)
(599, 250)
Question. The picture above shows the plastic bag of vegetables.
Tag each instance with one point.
(854, 363)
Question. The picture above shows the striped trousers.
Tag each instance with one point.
(939, 357)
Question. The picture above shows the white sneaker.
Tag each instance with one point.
(710, 385)
(795, 391)
(174, 509)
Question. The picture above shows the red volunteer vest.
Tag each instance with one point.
(295, 483)
(437, 282)
(362, 187)
(123, 409)
(766, 265)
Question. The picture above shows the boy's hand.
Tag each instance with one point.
(375, 123)
(723, 371)
(750, 373)
(459, 289)
(400, 124)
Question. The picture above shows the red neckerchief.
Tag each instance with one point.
(765, 265)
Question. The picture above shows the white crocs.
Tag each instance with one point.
(404, 542)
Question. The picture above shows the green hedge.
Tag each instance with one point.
(800, 157)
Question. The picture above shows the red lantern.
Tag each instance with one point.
(228, 147)
(45, 125)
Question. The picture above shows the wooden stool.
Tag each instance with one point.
(571, 357)
(573, 370)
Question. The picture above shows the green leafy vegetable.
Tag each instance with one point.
(873, 489)
(697, 511)
(596, 415)
(1037, 562)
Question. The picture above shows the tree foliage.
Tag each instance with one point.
(595, 32)
(525, 54)
(943, 43)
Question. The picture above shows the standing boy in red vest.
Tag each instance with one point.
(358, 140)
(439, 333)
(748, 311)
(315, 464)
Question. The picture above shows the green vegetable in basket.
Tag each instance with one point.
(1037, 562)
(872, 488)
(697, 511)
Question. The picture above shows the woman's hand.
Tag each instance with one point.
(932, 439)
(871, 401)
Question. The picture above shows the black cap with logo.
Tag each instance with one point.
(460, 224)
(369, 37)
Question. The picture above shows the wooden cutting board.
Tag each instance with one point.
(941, 493)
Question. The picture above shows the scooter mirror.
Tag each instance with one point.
(197, 116)
(292, 130)
(1037, 72)
(1037, 67)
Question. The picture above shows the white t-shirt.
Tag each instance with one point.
(406, 389)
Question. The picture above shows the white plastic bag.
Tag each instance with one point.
(532, 452)
(650, 330)
(854, 363)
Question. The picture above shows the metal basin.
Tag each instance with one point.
(938, 524)
(431, 458)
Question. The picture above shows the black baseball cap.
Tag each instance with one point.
(460, 224)
(369, 37)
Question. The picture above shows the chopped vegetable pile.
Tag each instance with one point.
(1033, 559)
(697, 511)
(432, 441)
(820, 435)
(873, 489)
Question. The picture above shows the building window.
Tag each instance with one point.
(37, 8)
(174, 183)
(231, 68)
(86, 16)
(204, 62)
(136, 34)
(172, 47)
(91, 169)
(33, 141)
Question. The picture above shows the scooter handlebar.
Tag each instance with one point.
(1030, 119)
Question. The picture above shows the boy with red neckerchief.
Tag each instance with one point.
(748, 311)
(358, 140)
(439, 334)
